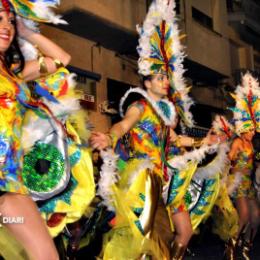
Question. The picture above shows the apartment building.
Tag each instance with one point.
(101, 37)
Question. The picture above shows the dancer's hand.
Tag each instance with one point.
(22, 29)
(99, 140)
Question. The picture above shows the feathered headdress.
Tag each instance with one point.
(33, 11)
(221, 126)
(247, 109)
(36, 10)
(160, 51)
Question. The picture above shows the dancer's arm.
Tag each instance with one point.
(235, 148)
(101, 141)
(53, 55)
(181, 140)
(187, 141)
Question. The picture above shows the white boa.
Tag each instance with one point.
(197, 155)
(168, 121)
(108, 177)
(218, 165)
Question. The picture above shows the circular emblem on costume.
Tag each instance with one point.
(43, 168)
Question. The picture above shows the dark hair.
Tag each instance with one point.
(145, 78)
(14, 55)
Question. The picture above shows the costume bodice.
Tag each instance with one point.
(244, 159)
(14, 94)
(147, 135)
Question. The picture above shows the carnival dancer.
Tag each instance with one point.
(247, 122)
(224, 214)
(225, 217)
(57, 167)
(207, 187)
(15, 200)
(146, 178)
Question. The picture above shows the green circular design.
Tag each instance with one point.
(187, 198)
(39, 182)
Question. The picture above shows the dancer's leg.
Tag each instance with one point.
(183, 227)
(242, 206)
(32, 234)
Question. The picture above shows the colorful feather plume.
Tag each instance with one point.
(160, 51)
(36, 10)
(221, 125)
(247, 109)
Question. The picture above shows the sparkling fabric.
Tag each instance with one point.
(13, 92)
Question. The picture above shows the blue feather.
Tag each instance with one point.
(45, 93)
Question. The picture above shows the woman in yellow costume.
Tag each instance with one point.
(56, 170)
(148, 192)
(14, 94)
(241, 155)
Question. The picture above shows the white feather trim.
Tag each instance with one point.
(217, 166)
(43, 11)
(168, 121)
(108, 177)
(71, 79)
(66, 106)
(32, 132)
(146, 164)
(28, 50)
(179, 162)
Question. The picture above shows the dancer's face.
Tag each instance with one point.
(7, 30)
(248, 136)
(158, 86)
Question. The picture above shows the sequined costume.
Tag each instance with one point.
(58, 169)
(52, 164)
(147, 186)
(13, 94)
(146, 138)
(140, 169)
(243, 164)
(27, 139)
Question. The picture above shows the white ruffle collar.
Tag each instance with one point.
(168, 116)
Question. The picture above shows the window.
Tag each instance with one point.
(202, 18)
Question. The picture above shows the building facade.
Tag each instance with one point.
(101, 38)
